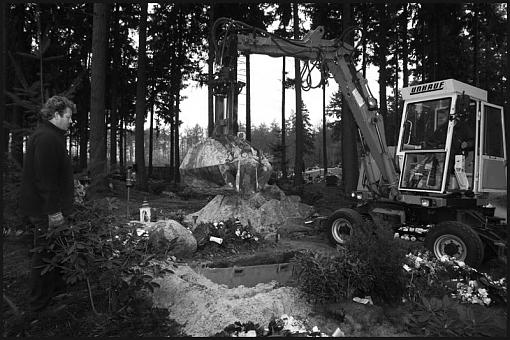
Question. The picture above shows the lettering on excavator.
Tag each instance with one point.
(427, 88)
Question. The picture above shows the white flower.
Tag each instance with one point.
(443, 258)
(482, 292)
(215, 224)
(487, 300)
(461, 263)
(476, 300)
(238, 232)
(256, 238)
(472, 283)
(407, 268)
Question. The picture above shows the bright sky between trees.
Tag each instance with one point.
(266, 94)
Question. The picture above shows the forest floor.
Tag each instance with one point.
(195, 309)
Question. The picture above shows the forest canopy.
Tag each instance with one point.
(50, 51)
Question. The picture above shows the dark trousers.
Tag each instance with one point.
(42, 286)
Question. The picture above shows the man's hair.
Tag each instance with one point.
(56, 104)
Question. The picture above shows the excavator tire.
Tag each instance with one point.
(456, 239)
(342, 224)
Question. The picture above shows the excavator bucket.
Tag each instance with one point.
(225, 163)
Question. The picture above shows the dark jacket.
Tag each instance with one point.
(47, 183)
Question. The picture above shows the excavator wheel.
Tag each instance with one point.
(456, 239)
(342, 224)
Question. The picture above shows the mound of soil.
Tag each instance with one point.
(205, 308)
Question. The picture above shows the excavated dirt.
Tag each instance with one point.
(205, 308)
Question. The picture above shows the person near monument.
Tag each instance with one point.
(47, 193)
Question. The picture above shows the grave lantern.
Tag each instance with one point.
(145, 212)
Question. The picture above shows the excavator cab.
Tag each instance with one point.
(451, 140)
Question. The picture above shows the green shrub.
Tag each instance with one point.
(95, 249)
(324, 278)
(368, 265)
(383, 255)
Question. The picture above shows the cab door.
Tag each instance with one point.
(492, 152)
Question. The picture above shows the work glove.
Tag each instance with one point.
(56, 220)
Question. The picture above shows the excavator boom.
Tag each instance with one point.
(335, 57)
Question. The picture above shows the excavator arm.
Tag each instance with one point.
(335, 57)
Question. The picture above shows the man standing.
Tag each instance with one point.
(47, 192)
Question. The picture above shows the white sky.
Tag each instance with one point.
(266, 74)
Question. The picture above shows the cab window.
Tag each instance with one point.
(425, 124)
(493, 134)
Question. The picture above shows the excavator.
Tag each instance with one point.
(434, 185)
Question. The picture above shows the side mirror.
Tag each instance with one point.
(462, 105)
(408, 126)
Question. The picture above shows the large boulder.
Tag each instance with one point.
(224, 207)
(161, 233)
(226, 162)
(265, 211)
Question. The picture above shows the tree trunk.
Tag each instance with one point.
(83, 123)
(436, 45)
(298, 161)
(180, 60)
(21, 43)
(424, 70)
(396, 118)
(405, 60)
(383, 74)
(141, 91)
(284, 132)
(248, 99)
(97, 101)
(177, 176)
(364, 24)
(172, 148)
(324, 145)
(210, 62)
(114, 99)
(3, 73)
(151, 136)
(350, 167)
(476, 48)
(122, 149)
(41, 70)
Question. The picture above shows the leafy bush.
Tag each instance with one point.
(332, 278)
(383, 255)
(446, 317)
(368, 265)
(95, 249)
